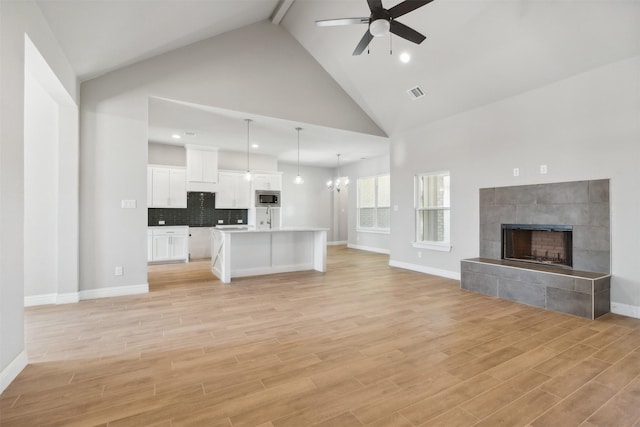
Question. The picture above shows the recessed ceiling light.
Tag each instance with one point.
(176, 136)
(254, 146)
(405, 57)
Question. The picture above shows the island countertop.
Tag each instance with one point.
(241, 252)
(240, 229)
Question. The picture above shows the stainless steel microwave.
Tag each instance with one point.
(267, 198)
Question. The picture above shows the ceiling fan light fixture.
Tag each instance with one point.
(379, 27)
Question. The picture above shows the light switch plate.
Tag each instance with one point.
(128, 204)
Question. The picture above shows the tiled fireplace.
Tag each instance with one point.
(546, 245)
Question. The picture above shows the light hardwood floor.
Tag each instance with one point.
(363, 344)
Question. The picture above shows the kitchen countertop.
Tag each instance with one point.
(273, 230)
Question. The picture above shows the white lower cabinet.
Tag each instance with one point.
(149, 245)
(168, 244)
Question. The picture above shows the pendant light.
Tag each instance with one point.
(338, 184)
(247, 175)
(298, 179)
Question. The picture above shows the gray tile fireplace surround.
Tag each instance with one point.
(583, 291)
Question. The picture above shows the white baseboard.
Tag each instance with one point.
(12, 370)
(369, 249)
(428, 270)
(117, 291)
(71, 297)
(625, 309)
(44, 299)
(337, 243)
(67, 298)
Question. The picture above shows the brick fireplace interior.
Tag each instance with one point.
(541, 244)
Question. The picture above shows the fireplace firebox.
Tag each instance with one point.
(538, 243)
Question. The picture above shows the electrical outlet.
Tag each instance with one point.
(128, 204)
(239, 221)
(161, 222)
(395, 208)
(220, 221)
(516, 171)
(543, 169)
(419, 254)
(119, 271)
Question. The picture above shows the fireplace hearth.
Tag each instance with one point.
(538, 243)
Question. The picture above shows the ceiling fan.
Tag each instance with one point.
(381, 22)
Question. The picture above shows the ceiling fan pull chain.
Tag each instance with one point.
(390, 45)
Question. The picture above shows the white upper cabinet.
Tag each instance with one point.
(266, 181)
(166, 187)
(202, 168)
(234, 191)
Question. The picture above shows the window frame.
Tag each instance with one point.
(444, 246)
(375, 228)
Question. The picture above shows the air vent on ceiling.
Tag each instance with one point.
(416, 92)
(189, 133)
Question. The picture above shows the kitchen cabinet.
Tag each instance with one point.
(168, 244)
(202, 167)
(266, 181)
(166, 187)
(149, 245)
(234, 191)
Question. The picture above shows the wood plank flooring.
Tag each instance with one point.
(363, 344)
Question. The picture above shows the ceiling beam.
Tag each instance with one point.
(281, 11)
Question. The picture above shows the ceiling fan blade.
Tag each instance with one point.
(375, 6)
(364, 42)
(344, 21)
(405, 32)
(406, 7)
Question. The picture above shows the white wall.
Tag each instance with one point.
(41, 190)
(377, 242)
(259, 69)
(307, 204)
(165, 154)
(584, 127)
(50, 185)
(16, 19)
(175, 155)
(232, 160)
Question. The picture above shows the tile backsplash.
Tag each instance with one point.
(200, 212)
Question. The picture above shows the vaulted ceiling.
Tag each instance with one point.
(476, 52)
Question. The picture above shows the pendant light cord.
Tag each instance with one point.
(298, 129)
(248, 146)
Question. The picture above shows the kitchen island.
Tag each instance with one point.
(251, 252)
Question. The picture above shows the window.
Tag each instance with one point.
(432, 211)
(374, 203)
